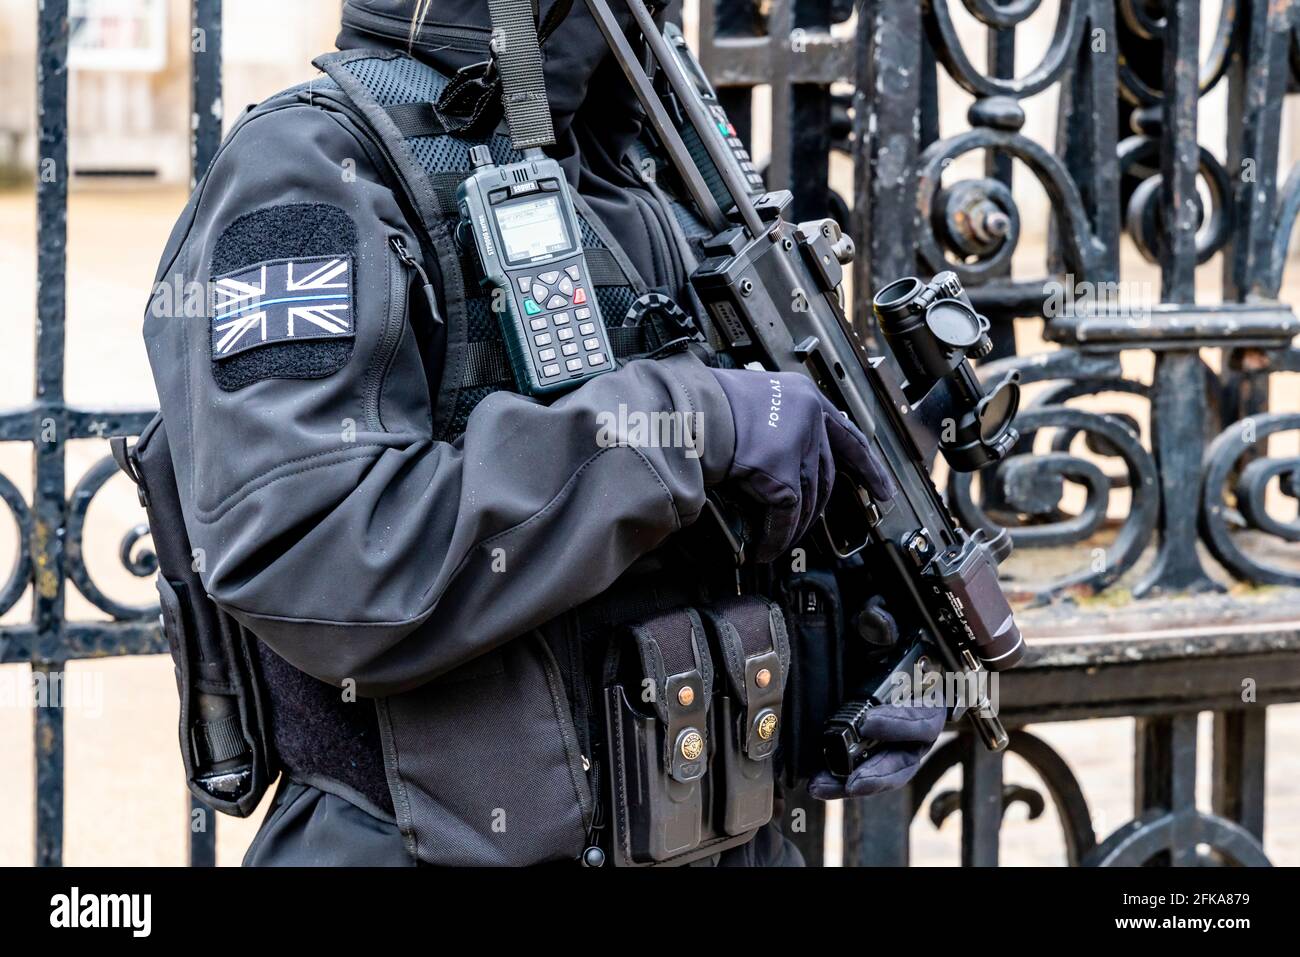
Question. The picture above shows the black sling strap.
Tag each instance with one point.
(523, 83)
(513, 78)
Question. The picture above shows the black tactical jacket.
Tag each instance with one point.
(364, 553)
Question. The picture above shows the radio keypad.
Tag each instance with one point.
(737, 147)
(548, 299)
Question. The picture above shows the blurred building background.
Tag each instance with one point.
(130, 95)
(129, 88)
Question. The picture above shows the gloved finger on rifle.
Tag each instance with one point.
(787, 436)
(854, 453)
(906, 733)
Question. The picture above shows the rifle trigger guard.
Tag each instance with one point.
(830, 539)
(736, 544)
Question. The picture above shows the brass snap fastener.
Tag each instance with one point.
(767, 726)
(763, 678)
(686, 696)
(692, 745)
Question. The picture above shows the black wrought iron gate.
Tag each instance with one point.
(862, 79)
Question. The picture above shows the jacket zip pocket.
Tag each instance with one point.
(399, 284)
(579, 764)
(401, 275)
(413, 266)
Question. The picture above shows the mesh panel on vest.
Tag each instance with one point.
(466, 400)
(448, 153)
(614, 302)
(398, 80)
(480, 322)
(589, 236)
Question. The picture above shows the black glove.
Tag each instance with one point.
(789, 441)
(909, 731)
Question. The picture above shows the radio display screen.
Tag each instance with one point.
(532, 228)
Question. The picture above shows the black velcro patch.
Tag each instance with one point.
(300, 245)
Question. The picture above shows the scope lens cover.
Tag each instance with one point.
(897, 292)
(954, 323)
(997, 409)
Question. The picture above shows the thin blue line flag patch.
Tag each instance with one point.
(280, 301)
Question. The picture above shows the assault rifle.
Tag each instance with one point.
(772, 288)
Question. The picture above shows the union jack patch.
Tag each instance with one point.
(282, 300)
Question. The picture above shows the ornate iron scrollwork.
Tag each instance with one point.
(937, 205)
(1248, 486)
(1023, 493)
(21, 572)
(1062, 787)
(1151, 835)
(1005, 16)
(1139, 159)
(139, 562)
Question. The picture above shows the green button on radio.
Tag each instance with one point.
(531, 307)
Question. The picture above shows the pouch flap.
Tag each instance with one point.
(755, 650)
(675, 660)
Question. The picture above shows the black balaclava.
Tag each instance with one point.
(595, 113)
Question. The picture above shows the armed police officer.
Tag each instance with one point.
(481, 626)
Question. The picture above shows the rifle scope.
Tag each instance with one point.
(933, 330)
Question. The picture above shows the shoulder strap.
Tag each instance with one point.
(523, 82)
(513, 77)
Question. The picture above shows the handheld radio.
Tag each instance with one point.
(710, 123)
(523, 226)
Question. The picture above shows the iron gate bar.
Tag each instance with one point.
(1180, 409)
(1257, 87)
(207, 114)
(887, 103)
(1237, 785)
(49, 507)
